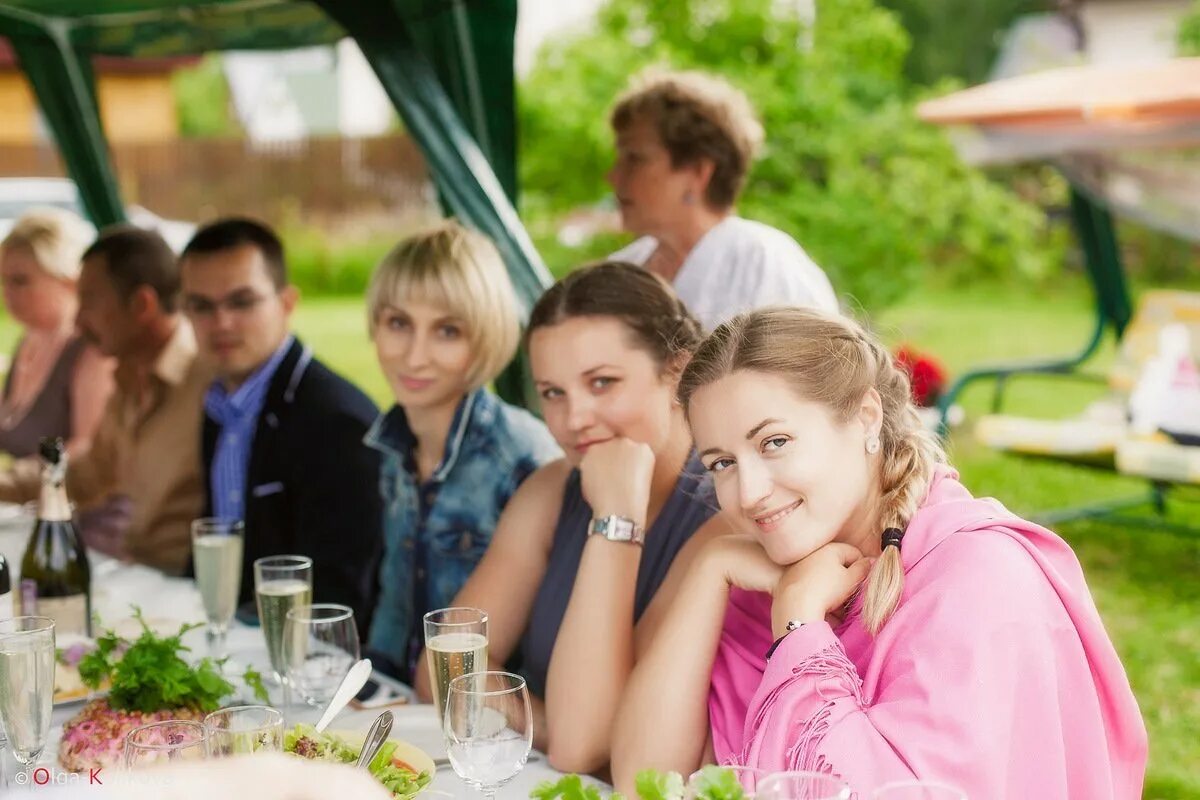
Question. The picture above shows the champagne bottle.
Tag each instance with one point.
(55, 575)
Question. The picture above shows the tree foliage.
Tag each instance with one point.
(1188, 38)
(957, 39)
(874, 195)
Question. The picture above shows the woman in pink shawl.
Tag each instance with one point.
(870, 618)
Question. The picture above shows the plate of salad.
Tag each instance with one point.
(402, 768)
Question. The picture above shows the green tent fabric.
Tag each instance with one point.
(447, 65)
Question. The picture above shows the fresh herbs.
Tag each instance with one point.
(713, 783)
(148, 674)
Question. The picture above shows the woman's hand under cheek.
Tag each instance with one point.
(741, 562)
(615, 478)
(819, 585)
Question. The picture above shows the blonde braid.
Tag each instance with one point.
(907, 456)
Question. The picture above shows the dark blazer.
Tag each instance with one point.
(312, 485)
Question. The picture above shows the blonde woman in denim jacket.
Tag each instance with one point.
(443, 318)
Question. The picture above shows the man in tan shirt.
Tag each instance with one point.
(139, 486)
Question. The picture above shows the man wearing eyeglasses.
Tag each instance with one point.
(282, 441)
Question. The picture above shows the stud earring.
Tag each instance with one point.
(872, 444)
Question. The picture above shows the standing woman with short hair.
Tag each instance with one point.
(57, 384)
(870, 618)
(685, 142)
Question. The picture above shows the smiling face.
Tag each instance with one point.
(650, 191)
(787, 471)
(424, 352)
(596, 385)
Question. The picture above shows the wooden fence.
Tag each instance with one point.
(198, 179)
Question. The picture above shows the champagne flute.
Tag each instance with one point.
(244, 729)
(456, 643)
(918, 790)
(488, 728)
(26, 684)
(802, 786)
(217, 555)
(748, 777)
(165, 742)
(280, 584)
(320, 644)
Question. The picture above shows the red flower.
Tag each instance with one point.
(926, 374)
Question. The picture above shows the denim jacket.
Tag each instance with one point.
(436, 532)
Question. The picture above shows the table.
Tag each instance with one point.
(167, 601)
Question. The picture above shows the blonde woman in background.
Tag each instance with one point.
(57, 383)
(685, 141)
(870, 618)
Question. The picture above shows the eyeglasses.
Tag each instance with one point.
(241, 302)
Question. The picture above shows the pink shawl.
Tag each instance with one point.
(995, 673)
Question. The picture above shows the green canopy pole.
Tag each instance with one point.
(65, 86)
(461, 171)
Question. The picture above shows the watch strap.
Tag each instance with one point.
(618, 529)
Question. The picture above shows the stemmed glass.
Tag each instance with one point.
(455, 643)
(280, 584)
(26, 684)
(169, 741)
(217, 556)
(918, 790)
(244, 729)
(802, 786)
(488, 728)
(320, 644)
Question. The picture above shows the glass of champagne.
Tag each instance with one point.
(802, 786)
(320, 644)
(280, 584)
(244, 729)
(165, 742)
(918, 790)
(488, 728)
(26, 684)
(456, 643)
(217, 555)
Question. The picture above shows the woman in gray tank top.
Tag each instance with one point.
(581, 563)
(57, 384)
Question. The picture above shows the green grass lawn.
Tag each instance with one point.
(1145, 581)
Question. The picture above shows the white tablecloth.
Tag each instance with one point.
(166, 602)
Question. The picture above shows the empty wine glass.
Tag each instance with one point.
(26, 684)
(802, 786)
(165, 742)
(488, 728)
(747, 777)
(244, 729)
(918, 790)
(320, 644)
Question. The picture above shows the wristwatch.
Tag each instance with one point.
(618, 529)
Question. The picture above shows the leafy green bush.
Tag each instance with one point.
(878, 198)
(1188, 37)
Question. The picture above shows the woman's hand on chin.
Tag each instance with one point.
(741, 561)
(615, 477)
(819, 585)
